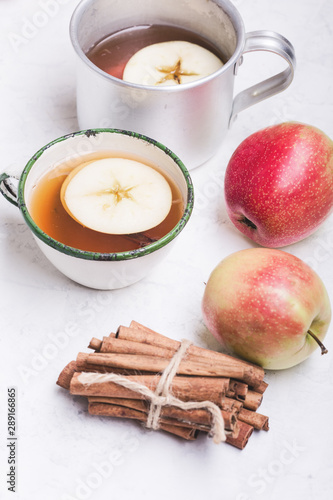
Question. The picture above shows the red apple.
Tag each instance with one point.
(267, 306)
(279, 183)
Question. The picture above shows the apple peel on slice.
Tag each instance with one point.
(116, 196)
(170, 63)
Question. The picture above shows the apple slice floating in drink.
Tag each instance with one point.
(116, 196)
(170, 63)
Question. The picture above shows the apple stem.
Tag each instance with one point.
(321, 345)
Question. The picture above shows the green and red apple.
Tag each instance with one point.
(267, 306)
(279, 183)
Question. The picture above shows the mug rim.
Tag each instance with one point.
(227, 6)
(99, 256)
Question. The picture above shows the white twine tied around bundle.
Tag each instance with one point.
(162, 395)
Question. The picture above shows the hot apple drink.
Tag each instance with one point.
(106, 203)
(112, 53)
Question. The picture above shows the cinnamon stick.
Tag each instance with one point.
(120, 410)
(252, 400)
(258, 421)
(183, 388)
(201, 418)
(245, 431)
(141, 239)
(66, 375)
(135, 404)
(83, 366)
(237, 390)
(95, 344)
(230, 404)
(156, 364)
(144, 335)
(261, 387)
(106, 410)
(116, 345)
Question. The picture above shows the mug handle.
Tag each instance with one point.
(8, 188)
(272, 42)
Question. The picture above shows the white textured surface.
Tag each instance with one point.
(63, 453)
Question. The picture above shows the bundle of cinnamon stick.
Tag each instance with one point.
(139, 356)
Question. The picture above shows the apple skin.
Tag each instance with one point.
(259, 303)
(279, 184)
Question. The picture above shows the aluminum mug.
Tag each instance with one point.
(192, 119)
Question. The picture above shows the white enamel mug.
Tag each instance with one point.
(104, 271)
(193, 118)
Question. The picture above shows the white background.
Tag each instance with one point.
(63, 453)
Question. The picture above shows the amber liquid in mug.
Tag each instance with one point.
(112, 53)
(50, 216)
